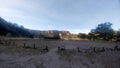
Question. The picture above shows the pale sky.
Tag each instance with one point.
(73, 15)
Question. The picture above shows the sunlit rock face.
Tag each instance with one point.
(50, 34)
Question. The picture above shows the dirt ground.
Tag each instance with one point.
(21, 53)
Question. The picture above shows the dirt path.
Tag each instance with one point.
(53, 59)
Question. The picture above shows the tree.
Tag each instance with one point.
(118, 33)
(82, 35)
(103, 31)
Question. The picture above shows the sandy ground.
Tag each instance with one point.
(18, 57)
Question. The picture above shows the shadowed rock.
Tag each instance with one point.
(62, 48)
(46, 49)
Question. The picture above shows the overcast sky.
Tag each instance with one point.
(73, 15)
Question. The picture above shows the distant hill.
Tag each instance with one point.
(13, 30)
(9, 29)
